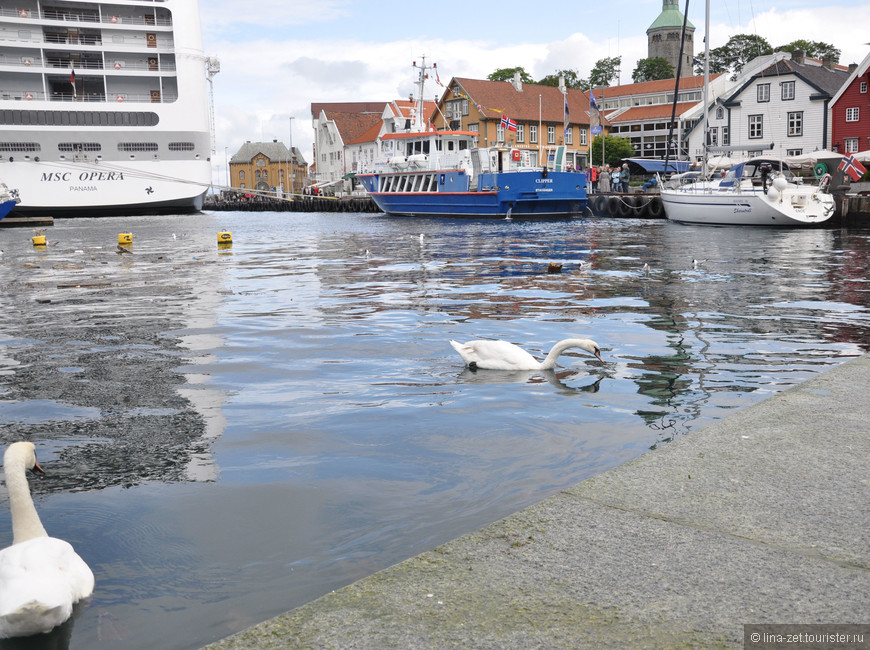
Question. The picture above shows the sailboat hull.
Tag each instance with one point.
(798, 207)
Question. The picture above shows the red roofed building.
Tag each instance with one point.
(850, 111)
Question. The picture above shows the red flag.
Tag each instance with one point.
(508, 123)
(852, 167)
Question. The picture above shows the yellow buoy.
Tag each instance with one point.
(125, 238)
(225, 237)
(39, 240)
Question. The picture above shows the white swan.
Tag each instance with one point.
(501, 355)
(41, 577)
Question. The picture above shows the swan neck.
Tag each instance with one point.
(550, 362)
(25, 520)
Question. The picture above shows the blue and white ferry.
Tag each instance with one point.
(445, 174)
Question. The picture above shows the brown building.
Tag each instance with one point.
(537, 111)
(268, 167)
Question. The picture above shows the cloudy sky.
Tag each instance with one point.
(279, 56)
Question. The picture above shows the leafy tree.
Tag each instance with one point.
(572, 79)
(605, 71)
(653, 69)
(813, 49)
(735, 54)
(615, 150)
(507, 74)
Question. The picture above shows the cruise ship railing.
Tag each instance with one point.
(72, 17)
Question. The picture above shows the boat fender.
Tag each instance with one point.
(773, 194)
(625, 207)
(656, 207)
(613, 204)
(824, 183)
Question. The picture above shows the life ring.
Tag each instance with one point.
(820, 169)
(516, 156)
(28, 96)
(119, 98)
(24, 13)
(113, 19)
(117, 65)
(26, 62)
(656, 208)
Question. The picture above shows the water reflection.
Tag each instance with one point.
(241, 431)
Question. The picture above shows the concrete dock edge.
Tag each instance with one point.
(761, 517)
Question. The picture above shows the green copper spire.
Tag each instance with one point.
(670, 17)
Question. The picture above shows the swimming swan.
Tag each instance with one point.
(501, 355)
(41, 577)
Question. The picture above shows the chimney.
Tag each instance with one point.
(852, 67)
(828, 62)
(798, 57)
(517, 82)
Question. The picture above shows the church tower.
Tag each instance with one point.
(664, 38)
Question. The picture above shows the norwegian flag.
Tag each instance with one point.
(852, 167)
(508, 123)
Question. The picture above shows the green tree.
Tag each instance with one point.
(616, 149)
(813, 49)
(734, 55)
(572, 79)
(605, 71)
(507, 74)
(653, 69)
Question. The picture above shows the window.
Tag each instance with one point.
(569, 135)
(521, 132)
(756, 127)
(242, 175)
(83, 146)
(787, 90)
(551, 134)
(796, 124)
(720, 113)
(794, 152)
(499, 133)
(851, 145)
(763, 93)
(533, 133)
(583, 137)
(714, 136)
(863, 88)
(20, 146)
(474, 128)
(852, 114)
(726, 136)
(181, 146)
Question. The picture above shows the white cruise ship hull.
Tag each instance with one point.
(89, 189)
(104, 107)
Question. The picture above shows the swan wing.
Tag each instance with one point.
(40, 581)
(495, 355)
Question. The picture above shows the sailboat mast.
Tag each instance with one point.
(706, 86)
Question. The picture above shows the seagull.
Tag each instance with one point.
(501, 355)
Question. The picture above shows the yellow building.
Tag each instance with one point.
(539, 114)
(268, 167)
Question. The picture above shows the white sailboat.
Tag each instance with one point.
(758, 192)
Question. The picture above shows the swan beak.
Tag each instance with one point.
(36, 469)
(597, 353)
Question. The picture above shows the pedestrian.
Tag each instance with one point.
(593, 175)
(604, 179)
(625, 177)
(615, 181)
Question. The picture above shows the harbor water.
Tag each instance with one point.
(231, 431)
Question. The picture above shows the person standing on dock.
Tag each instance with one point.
(593, 178)
(604, 180)
(615, 181)
(625, 177)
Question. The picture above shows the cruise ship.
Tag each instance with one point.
(104, 107)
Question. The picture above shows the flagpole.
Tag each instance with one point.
(539, 129)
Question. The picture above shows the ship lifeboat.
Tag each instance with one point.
(399, 162)
(419, 160)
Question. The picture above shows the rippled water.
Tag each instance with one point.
(231, 433)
